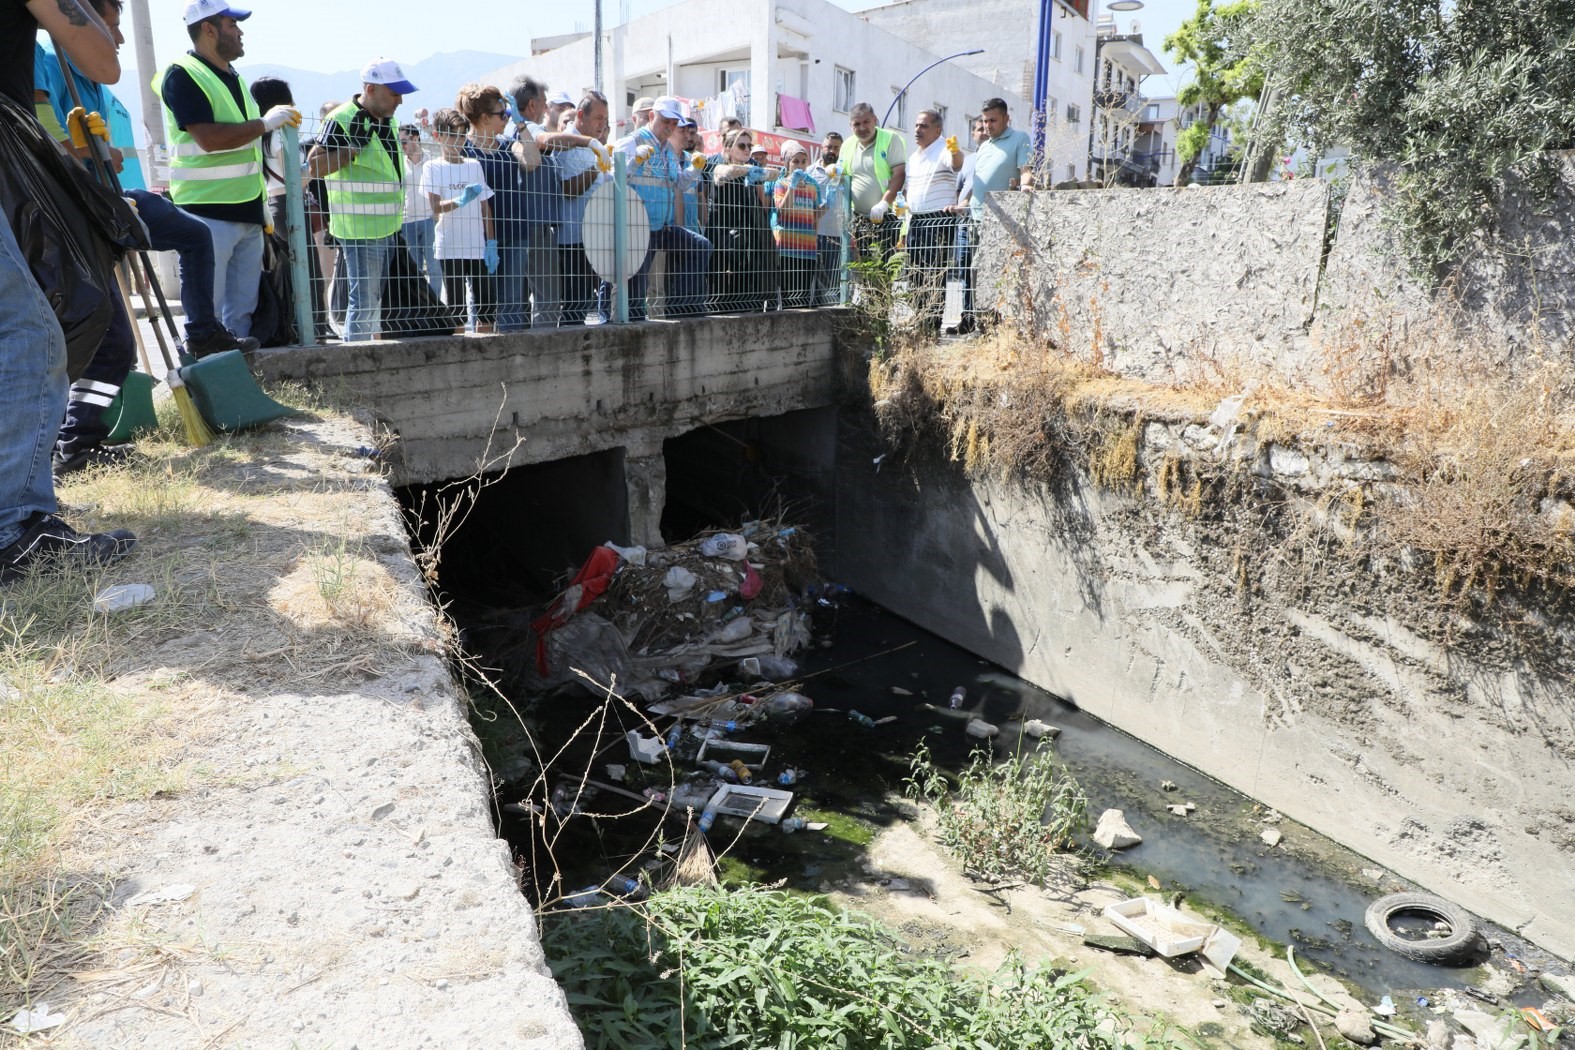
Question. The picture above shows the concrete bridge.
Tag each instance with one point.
(463, 404)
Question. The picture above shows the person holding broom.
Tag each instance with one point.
(32, 345)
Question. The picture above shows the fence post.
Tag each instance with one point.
(846, 204)
(295, 233)
(620, 282)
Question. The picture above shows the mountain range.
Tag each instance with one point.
(439, 78)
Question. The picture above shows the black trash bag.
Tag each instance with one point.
(273, 321)
(71, 230)
(409, 307)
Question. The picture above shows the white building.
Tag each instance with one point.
(1120, 64)
(1154, 147)
(1008, 31)
(1214, 161)
(770, 56)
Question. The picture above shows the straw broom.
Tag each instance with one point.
(198, 432)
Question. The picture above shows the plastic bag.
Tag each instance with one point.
(727, 545)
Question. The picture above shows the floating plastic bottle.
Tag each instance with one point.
(726, 727)
(589, 897)
(793, 824)
(862, 719)
(707, 819)
(721, 769)
(788, 777)
(624, 886)
(674, 735)
(958, 696)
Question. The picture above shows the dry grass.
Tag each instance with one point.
(1485, 459)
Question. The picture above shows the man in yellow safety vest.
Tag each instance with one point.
(358, 155)
(216, 173)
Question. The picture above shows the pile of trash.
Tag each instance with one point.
(649, 622)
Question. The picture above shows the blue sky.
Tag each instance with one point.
(328, 37)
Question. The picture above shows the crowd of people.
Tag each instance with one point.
(477, 214)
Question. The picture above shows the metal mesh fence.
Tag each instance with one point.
(401, 232)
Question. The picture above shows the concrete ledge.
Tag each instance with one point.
(572, 391)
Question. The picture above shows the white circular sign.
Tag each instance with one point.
(597, 230)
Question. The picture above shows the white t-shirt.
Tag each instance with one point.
(931, 184)
(274, 173)
(831, 192)
(417, 207)
(461, 234)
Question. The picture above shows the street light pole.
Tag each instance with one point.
(920, 73)
(1042, 81)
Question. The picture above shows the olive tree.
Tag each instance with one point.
(1462, 98)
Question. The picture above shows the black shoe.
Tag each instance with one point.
(217, 342)
(47, 539)
(107, 456)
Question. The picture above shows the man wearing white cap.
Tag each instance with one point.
(359, 157)
(558, 103)
(216, 172)
(656, 172)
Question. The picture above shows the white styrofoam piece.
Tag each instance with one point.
(1159, 926)
(750, 802)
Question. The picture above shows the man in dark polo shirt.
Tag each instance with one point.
(213, 129)
(32, 346)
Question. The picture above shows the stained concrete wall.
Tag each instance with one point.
(460, 404)
(1162, 284)
(1232, 283)
(1314, 690)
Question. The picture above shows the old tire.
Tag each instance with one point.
(1460, 945)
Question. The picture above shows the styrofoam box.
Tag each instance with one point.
(750, 802)
(1162, 928)
(752, 755)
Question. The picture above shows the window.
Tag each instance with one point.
(940, 111)
(842, 90)
(899, 108)
(1077, 64)
(726, 78)
(1050, 112)
(1071, 172)
(1055, 47)
(1151, 112)
(1074, 113)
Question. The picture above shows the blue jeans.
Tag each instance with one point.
(508, 284)
(366, 264)
(421, 239)
(688, 262)
(172, 230)
(32, 391)
(827, 287)
(237, 271)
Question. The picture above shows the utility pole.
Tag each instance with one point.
(597, 49)
(147, 66)
(1042, 83)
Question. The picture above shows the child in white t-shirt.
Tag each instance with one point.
(466, 245)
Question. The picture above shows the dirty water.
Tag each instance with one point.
(1308, 892)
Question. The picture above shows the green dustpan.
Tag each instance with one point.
(131, 412)
(222, 388)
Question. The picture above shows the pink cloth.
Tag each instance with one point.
(794, 113)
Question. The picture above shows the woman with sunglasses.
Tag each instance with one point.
(487, 114)
(744, 256)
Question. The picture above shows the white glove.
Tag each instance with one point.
(279, 116)
(878, 213)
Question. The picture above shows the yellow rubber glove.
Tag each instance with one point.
(642, 155)
(951, 143)
(604, 161)
(82, 124)
(698, 162)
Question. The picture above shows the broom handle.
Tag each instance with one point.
(98, 152)
(126, 283)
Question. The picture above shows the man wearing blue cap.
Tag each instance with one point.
(216, 172)
(359, 157)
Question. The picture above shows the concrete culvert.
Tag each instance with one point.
(1456, 946)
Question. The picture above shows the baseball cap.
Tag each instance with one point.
(688, 118)
(668, 106)
(643, 103)
(197, 10)
(386, 71)
(559, 98)
(758, 147)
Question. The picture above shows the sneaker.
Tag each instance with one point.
(46, 538)
(217, 342)
(107, 456)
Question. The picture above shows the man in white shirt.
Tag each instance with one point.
(827, 287)
(580, 168)
(931, 191)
